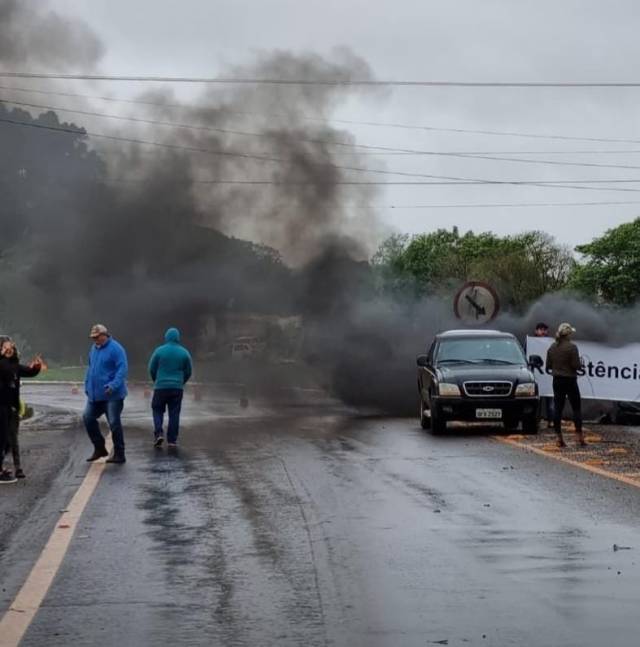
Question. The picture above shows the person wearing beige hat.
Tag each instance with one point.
(105, 385)
(563, 362)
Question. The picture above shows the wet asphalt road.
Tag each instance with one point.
(317, 528)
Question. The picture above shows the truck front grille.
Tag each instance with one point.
(488, 389)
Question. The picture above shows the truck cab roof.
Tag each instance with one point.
(473, 332)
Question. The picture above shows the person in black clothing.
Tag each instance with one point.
(563, 360)
(542, 330)
(10, 373)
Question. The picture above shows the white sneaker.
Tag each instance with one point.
(7, 477)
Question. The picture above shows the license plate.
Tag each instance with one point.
(489, 414)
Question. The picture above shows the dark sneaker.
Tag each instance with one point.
(116, 458)
(7, 477)
(20, 474)
(98, 452)
(158, 442)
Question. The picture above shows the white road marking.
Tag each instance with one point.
(563, 459)
(26, 604)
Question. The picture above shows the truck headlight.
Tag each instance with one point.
(448, 390)
(528, 389)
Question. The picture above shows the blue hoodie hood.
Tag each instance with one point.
(172, 334)
(170, 365)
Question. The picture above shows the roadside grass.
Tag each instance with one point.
(61, 374)
(77, 373)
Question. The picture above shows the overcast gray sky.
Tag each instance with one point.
(465, 40)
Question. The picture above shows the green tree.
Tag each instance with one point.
(610, 269)
(390, 273)
(521, 267)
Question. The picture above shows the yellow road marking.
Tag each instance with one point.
(555, 455)
(24, 607)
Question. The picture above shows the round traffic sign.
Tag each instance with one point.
(476, 303)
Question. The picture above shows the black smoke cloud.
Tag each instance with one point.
(372, 347)
(141, 237)
(606, 324)
(135, 252)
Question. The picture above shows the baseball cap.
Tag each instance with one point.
(97, 330)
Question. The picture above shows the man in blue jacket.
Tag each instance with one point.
(106, 387)
(170, 368)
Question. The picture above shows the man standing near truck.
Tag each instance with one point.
(542, 330)
(563, 361)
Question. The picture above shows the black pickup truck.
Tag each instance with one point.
(480, 376)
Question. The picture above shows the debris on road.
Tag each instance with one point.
(613, 449)
(617, 548)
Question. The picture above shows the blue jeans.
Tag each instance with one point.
(170, 399)
(113, 410)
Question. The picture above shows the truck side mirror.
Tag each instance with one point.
(535, 361)
(422, 360)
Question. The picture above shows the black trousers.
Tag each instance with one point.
(563, 388)
(4, 431)
(170, 399)
(14, 445)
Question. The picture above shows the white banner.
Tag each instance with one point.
(608, 373)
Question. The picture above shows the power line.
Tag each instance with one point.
(466, 153)
(379, 183)
(209, 151)
(498, 205)
(470, 131)
(565, 184)
(267, 135)
(496, 133)
(153, 122)
(220, 80)
(543, 162)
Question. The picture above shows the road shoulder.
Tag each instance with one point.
(31, 507)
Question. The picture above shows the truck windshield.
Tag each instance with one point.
(480, 351)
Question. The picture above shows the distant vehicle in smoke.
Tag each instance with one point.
(477, 376)
(245, 347)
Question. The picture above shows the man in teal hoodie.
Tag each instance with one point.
(170, 368)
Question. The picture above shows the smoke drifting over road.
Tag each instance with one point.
(143, 236)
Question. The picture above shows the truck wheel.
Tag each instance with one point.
(425, 423)
(530, 424)
(438, 422)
